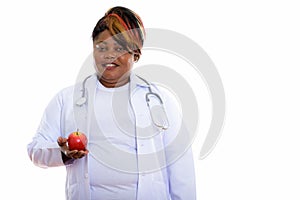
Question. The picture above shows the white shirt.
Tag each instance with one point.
(108, 183)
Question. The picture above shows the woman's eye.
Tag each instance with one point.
(100, 48)
(119, 49)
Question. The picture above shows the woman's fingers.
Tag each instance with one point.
(62, 141)
(77, 154)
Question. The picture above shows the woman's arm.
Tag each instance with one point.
(44, 150)
(179, 155)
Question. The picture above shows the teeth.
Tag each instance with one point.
(110, 65)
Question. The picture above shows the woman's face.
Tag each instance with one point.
(113, 62)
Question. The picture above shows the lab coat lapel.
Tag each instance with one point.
(81, 113)
(149, 144)
(82, 120)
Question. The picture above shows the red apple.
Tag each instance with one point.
(77, 141)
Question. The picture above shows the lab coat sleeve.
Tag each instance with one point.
(44, 150)
(182, 178)
(179, 156)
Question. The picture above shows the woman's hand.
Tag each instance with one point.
(75, 154)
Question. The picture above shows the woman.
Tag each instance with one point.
(127, 156)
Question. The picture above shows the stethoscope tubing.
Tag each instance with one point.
(83, 99)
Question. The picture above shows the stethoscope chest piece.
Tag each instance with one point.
(81, 101)
(157, 111)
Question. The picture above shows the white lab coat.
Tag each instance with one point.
(174, 177)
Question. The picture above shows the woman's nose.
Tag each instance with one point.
(111, 54)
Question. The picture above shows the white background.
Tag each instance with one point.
(255, 46)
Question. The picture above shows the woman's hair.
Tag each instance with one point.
(125, 26)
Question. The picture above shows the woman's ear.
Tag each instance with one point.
(136, 57)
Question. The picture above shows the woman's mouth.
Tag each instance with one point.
(109, 66)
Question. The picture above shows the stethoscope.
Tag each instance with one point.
(157, 111)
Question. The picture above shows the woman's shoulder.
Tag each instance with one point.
(65, 94)
(66, 91)
(166, 92)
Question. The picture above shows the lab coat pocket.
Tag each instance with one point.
(159, 191)
(77, 191)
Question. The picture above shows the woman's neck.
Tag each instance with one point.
(113, 84)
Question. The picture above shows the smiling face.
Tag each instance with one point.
(113, 62)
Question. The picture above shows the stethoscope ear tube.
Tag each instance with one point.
(82, 100)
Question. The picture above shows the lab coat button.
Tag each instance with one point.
(86, 175)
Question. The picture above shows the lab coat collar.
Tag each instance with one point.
(135, 81)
